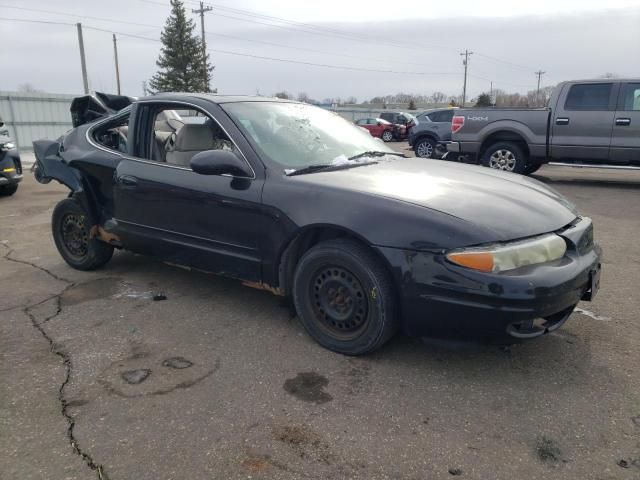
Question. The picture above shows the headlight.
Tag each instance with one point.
(7, 146)
(507, 256)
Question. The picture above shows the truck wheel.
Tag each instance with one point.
(8, 190)
(532, 167)
(344, 297)
(507, 156)
(71, 235)
(425, 148)
(387, 135)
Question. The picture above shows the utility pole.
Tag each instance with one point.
(465, 62)
(144, 88)
(115, 54)
(491, 94)
(201, 11)
(83, 62)
(539, 73)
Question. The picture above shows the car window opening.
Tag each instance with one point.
(179, 134)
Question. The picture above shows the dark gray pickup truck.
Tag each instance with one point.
(591, 123)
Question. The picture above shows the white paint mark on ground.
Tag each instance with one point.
(591, 314)
(129, 291)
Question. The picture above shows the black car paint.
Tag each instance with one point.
(410, 211)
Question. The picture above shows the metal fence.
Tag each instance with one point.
(34, 115)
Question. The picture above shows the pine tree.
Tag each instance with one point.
(181, 67)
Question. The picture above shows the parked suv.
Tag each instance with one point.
(10, 166)
(402, 119)
(432, 128)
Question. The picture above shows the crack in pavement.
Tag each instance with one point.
(65, 356)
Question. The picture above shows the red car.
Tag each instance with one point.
(381, 128)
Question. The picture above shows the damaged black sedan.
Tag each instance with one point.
(295, 200)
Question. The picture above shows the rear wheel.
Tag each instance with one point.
(425, 148)
(344, 297)
(8, 190)
(72, 238)
(506, 156)
(532, 167)
(387, 135)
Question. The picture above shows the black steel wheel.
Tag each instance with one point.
(71, 234)
(339, 301)
(75, 235)
(344, 297)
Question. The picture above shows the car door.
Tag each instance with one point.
(213, 222)
(376, 127)
(625, 139)
(582, 122)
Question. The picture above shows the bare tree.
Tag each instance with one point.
(27, 87)
(303, 97)
(283, 94)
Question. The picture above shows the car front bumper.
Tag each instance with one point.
(438, 298)
(10, 167)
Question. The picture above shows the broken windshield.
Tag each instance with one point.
(295, 135)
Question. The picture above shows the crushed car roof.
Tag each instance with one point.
(213, 97)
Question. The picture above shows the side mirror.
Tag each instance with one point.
(379, 123)
(219, 162)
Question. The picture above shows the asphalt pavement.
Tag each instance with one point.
(219, 381)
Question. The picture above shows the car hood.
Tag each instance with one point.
(512, 206)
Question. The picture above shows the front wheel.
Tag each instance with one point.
(506, 156)
(387, 135)
(425, 148)
(73, 240)
(344, 297)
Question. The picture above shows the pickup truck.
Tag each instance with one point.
(591, 123)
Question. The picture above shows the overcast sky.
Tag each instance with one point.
(418, 40)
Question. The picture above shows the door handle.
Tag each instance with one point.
(562, 121)
(623, 121)
(128, 181)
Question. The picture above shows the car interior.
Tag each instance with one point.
(177, 136)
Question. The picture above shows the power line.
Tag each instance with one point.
(208, 34)
(303, 27)
(37, 21)
(275, 59)
(320, 29)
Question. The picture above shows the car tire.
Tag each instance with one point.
(72, 237)
(8, 190)
(532, 167)
(505, 156)
(387, 135)
(344, 297)
(425, 148)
